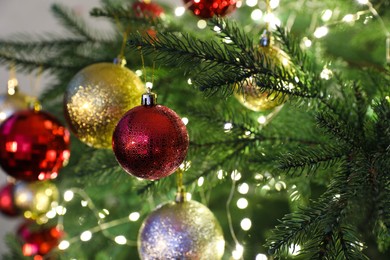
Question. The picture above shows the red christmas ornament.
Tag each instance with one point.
(150, 141)
(33, 145)
(7, 204)
(147, 10)
(208, 8)
(38, 240)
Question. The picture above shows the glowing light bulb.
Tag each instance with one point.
(202, 24)
(179, 11)
(294, 249)
(227, 127)
(274, 3)
(86, 236)
(326, 15)
(243, 188)
(134, 216)
(246, 224)
(238, 252)
(220, 174)
(348, 18)
(321, 32)
(200, 181)
(120, 240)
(363, 2)
(256, 15)
(261, 120)
(242, 203)
(236, 176)
(149, 85)
(68, 195)
(138, 73)
(261, 257)
(185, 120)
(63, 245)
(251, 3)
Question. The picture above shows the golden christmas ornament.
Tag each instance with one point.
(96, 99)
(250, 96)
(35, 199)
(12, 101)
(181, 230)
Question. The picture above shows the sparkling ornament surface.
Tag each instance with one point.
(208, 8)
(10, 104)
(181, 230)
(35, 198)
(148, 10)
(150, 142)
(251, 97)
(7, 204)
(96, 99)
(38, 240)
(34, 145)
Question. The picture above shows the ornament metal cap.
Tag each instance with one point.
(265, 39)
(181, 195)
(149, 99)
(120, 61)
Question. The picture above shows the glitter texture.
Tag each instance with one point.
(209, 8)
(97, 97)
(181, 230)
(34, 145)
(36, 198)
(150, 142)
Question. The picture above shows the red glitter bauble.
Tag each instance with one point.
(150, 142)
(38, 240)
(147, 10)
(33, 145)
(7, 204)
(208, 8)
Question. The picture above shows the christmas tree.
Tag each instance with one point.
(287, 108)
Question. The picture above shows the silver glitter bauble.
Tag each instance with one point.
(181, 230)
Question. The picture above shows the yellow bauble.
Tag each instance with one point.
(250, 96)
(96, 99)
(12, 102)
(35, 199)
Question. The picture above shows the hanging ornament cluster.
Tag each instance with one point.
(250, 96)
(34, 145)
(38, 240)
(97, 97)
(30, 199)
(150, 141)
(13, 100)
(208, 8)
(181, 230)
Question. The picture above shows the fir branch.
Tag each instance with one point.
(339, 129)
(312, 159)
(70, 21)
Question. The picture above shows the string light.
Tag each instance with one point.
(86, 236)
(120, 240)
(202, 24)
(242, 203)
(327, 14)
(63, 245)
(261, 257)
(185, 120)
(200, 181)
(246, 224)
(256, 15)
(251, 3)
(321, 32)
(68, 195)
(179, 11)
(238, 252)
(243, 188)
(134, 216)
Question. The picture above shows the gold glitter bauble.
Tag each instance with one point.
(35, 199)
(181, 230)
(250, 96)
(10, 104)
(96, 99)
